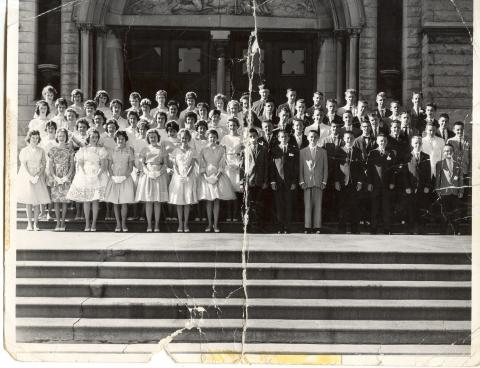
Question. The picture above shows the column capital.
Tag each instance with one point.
(85, 27)
(354, 32)
(101, 30)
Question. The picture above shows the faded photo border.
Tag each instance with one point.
(98, 353)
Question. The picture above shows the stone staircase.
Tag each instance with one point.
(306, 293)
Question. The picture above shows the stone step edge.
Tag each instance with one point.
(251, 324)
(252, 302)
(279, 348)
(195, 265)
(233, 282)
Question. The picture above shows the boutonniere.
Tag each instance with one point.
(260, 143)
(389, 158)
(291, 154)
(455, 177)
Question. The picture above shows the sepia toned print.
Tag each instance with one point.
(242, 181)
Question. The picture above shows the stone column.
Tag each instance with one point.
(326, 66)
(114, 74)
(86, 59)
(340, 66)
(411, 49)
(27, 64)
(353, 65)
(220, 44)
(100, 34)
(69, 59)
(367, 83)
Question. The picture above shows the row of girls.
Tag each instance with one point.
(133, 161)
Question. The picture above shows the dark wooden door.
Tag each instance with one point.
(176, 61)
(288, 61)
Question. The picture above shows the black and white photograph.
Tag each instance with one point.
(242, 181)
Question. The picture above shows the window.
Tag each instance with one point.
(293, 62)
(189, 60)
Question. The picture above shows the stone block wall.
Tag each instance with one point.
(27, 47)
(412, 49)
(367, 72)
(447, 57)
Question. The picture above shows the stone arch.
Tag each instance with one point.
(346, 14)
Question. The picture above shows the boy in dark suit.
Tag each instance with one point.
(299, 140)
(290, 103)
(331, 115)
(444, 130)
(417, 181)
(380, 177)
(348, 182)
(283, 179)
(254, 175)
(449, 187)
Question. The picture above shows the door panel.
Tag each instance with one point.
(288, 62)
(176, 61)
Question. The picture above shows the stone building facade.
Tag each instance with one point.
(178, 45)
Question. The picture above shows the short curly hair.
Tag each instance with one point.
(90, 133)
(153, 131)
(61, 130)
(32, 133)
(120, 133)
(40, 104)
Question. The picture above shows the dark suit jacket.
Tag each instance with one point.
(255, 120)
(310, 110)
(361, 143)
(274, 119)
(407, 135)
(358, 122)
(269, 144)
(423, 123)
(337, 119)
(381, 129)
(400, 146)
(449, 134)
(381, 169)
(451, 183)
(293, 141)
(417, 173)
(356, 166)
(331, 147)
(257, 107)
(292, 112)
(386, 114)
(416, 118)
(259, 174)
(356, 131)
(290, 163)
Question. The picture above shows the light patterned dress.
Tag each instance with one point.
(183, 187)
(152, 184)
(61, 163)
(32, 158)
(89, 183)
(124, 192)
(233, 146)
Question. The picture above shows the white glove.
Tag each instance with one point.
(118, 179)
(34, 179)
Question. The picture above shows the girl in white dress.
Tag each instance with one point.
(89, 107)
(88, 185)
(132, 117)
(220, 102)
(202, 111)
(213, 184)
(233, 146)
(214, 124)
(42, 111)
(116, 107)
(60, 119)
(120, 189)
(170, 144)
(152, 184)
(138, 143)
(146, 107)
(183, 188)
(99, 121)
(201, 141)
(102, 100)
(161, 98)
(77, 98)
(173, 109)
(79, 137)
(47, 143)
(48, 94)
(107, 140)
(159, 122)
(71, 117)
(30, 184)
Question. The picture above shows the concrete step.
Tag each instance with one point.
(226, 288)
(234, 308)
(231, 270)
(226, 226)
(70, 330)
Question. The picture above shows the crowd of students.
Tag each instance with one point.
(348, 164)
